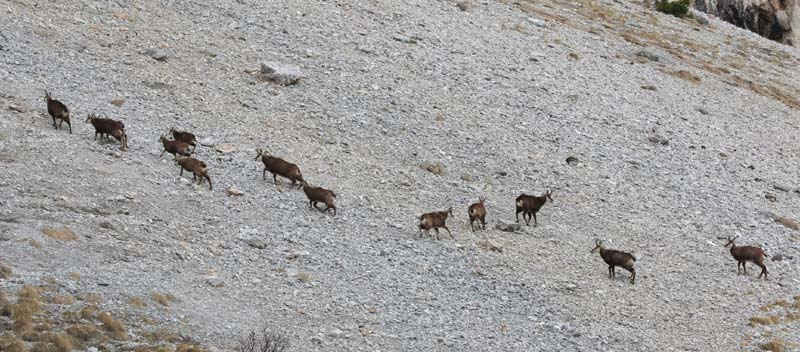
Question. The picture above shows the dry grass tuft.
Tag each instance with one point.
(789, 223)
(61, 299)
(62, 234)
(684, 75)
(115, 327)
(137, 302)
(771, 320)
(185, 347)
(5, 272)
(88, 312)
(62, 342)
(36, 244)
(774, 346)
(84, 332)
(75, 276)
(163, 299)
(90, 298)
(15, 345)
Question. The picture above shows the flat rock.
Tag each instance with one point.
(157, 54)
(505, 226)
(225, 148)
(280, 73)
(233, 191)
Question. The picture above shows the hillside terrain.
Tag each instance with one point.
(680, 134)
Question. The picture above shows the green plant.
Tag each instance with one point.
(677, 8)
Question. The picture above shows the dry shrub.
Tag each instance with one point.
(771, 320)
(5, 272)
(265, 341)
(185, 347)
(84, 332)
(137, 302)
(88, 312)
(790, 317)
(61, 299)
(774, 346)
(36, 244)
(115, 327)
(62, 234)
(75, 276)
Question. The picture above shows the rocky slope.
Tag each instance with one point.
(683, 133)
(774, 19)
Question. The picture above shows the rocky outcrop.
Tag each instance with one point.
(773, 19)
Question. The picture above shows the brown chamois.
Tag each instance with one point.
(744, 254)
(530, 205)
(614, 259)
(435, 220)
(319, 195)
(477, 211)
(277, 166)
(184, 136)
(197, 167)
(106, 126)
(174, 147)
(58, 111)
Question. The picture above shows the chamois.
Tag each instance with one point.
(318, 194)
(174, 147)
(184, 136)
(57, 110)
(106, 126)
(197, 167)
(744, 254)
(435, 220)
(477, 211)
(278, 166)
(530, 205)
(614, 259)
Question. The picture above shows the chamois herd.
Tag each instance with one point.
(183, 144)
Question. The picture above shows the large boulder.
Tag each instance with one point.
(774, 19)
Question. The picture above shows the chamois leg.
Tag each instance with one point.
(744, 267)
(483, 222)
(448, 231)
(535, 223)
(69, 124)
(275, 178)
(471, 225)
(264, 173)
(633, 274)
(523, 215)
(609, 271)
(181, 171)
(763, 270)
(54, 122)
(162, 153)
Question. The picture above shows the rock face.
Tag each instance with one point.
(773, 19)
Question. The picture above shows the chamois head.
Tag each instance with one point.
(597, 245)
(90, 117)
(47, 96)
(260, 152)
(162, 139)
(547, 194)
(730, 241)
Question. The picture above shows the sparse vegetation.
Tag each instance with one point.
(137, 302)
(163, 299)
(770, 320)
(5, 272)
(677, 8)
(774, 346)
(115, 327)
(264, 341)
(62, 234)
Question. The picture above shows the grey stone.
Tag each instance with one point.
(783, 188)
(215, 282)
(658, 139)
(655, 55)
(280, 73)
(571, 160)
(507, 226)
(156, 54)
(256, 243)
